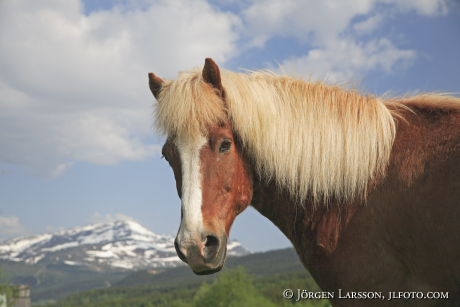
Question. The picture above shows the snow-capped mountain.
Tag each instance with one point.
(122, 244)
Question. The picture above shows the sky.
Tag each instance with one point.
(77, 138)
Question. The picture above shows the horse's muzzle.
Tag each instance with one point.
(206, 256)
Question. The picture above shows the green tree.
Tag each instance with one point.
(7, 291)
(234, 288)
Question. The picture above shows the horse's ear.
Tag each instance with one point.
(155, 84)
(211, 74)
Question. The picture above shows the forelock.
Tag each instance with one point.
(188, 106)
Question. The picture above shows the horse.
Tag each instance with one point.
(366, 188)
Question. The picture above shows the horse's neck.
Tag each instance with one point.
(428, 134)
(313, 229)
(278, 208)
(419, 191)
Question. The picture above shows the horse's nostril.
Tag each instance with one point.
(211, 247)
(179, 252)
(211, 241)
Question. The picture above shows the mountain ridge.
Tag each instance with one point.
(122, 244)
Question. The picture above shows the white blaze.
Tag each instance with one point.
(192, 220)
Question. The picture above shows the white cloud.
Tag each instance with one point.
(368, 25)
(331, 32)
(315, 21)
(10, 226)
(60, 169)
(346, 60)
(423, 7)
(74, 87)
(320, 22)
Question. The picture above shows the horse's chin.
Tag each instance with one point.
(209, 272)
(210, 266)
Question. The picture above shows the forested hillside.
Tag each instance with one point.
(253, 280)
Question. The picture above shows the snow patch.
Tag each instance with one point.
(124, 245)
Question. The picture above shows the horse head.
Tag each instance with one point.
(212, 175)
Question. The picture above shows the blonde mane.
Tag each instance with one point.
(318, 141)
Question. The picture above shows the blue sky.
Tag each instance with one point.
(77, 143)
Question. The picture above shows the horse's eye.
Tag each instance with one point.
(225, 146)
